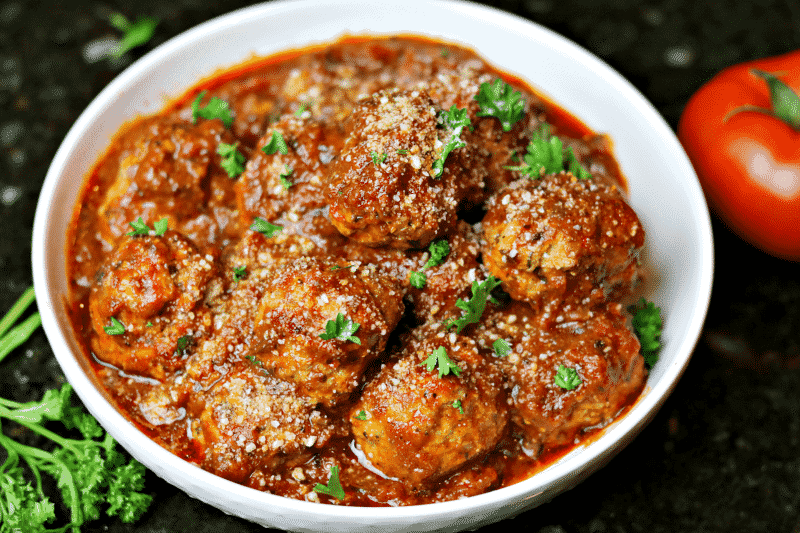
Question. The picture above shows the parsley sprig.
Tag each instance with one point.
(215, 108)
(232, 159)
(500, 100)
(647, 325)
(567, 378)
(276, 143)
(455, 120)
(265, 227)
(438, 250)
(334, 487)
(546, 154)
(133, 33)
(474, 307)
(341, 328)
(140, 228)
(116, 327)
(438, 359)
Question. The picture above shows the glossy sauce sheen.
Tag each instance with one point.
(222, 361)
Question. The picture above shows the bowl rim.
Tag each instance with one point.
(118, 425)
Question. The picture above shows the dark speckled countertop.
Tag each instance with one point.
(722, 455)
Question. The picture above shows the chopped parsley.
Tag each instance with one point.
(456, 120)
(133, 33)
(377, 158)
(362, 415)
(334, 486)
(284, 177)
(341, 328)
(239, 273)
(265, 227)
(473, 308)
(647, 325)
(232, 159)
(215, 108)
(140, 228)
(183, 345)
(457, 404)
(501, 348)
(116, 327)
(546, 154)
(402, 151)
(500, 100)
(276, 143)
(438, 250)
(567, 378)
(300, 110)
(439, 359)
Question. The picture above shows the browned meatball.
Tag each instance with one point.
(172, 170)
(154, 287)
(601, 349)
(559, 236)
(419, 425)
(382, 189)
(249, 420)
(301, 297)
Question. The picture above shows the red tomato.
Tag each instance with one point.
(748, 161)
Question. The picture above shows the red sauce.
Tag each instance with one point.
(270, 356)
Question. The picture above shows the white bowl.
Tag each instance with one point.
(663, 189)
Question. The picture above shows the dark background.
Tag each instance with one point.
(722, 455)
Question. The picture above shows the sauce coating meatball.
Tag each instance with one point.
(418, 422)
(559, 236)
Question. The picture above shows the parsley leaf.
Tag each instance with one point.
(417, 279)
(377, 158)
(439, 358)
(139, 227)
(276, 143)
(647, 325)
(183, 345)
(116, 327)
(334, 487)
(284, 177)
(239, 273)
(300, 110)
(474, 307)
(341, 328)
(567, 378)
(457, 405)
(456, 120)
(546, 154)
(161, 227)
(134, 33)
(232, 159)
(264, 227)
(501, 348)
(362, 415)
(215, 108)
(438, 250)
(500, 100)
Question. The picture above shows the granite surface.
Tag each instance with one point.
(722, 455)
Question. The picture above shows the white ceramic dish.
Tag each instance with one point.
(663, 190)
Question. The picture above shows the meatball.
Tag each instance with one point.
(559, 236)
(382, 190)
(600, 349)
(249, 420)
(173, 168)
(419, 419)
(154, 288)
(319, 324)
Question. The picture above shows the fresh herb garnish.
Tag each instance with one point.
(239, 273)
(377, 158)
(500, 100)
(501, 347)
(232, 159)
(300, 110)
(362, 415)
(438, 250)
(439, 359)
(276, 143)
(284, 177)
(647, 325)
(182, 347)
(567, 378)
(402, 151)
(473, 308)
(133, 33)
(334, 487)
(87, 471)
(456, 120)
(116, 327)
(546, 155)
(341, 328)
(457, 404)
(161, 226)
(265, 227)
(215, 108)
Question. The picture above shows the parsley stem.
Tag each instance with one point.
(19, 334)
(17, 309)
